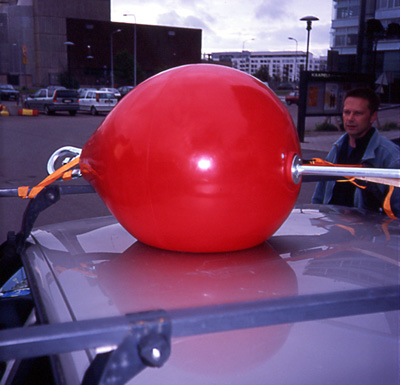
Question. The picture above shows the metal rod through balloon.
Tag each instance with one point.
(298, 169)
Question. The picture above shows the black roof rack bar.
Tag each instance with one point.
(51, 339)
(64, 190)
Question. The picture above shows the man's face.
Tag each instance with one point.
(357, 117)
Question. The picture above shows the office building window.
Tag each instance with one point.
(385, 4)
(347, 12)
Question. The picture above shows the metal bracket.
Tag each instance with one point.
(46, 198)
(149, 345)
(14, 246)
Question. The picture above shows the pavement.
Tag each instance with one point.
(322, 141)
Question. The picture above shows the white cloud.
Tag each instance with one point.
(227, 24)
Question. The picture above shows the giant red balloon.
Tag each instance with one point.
(196, 159)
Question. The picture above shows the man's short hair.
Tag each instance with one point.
(367, 94)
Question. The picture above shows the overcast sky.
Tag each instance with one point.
(227, 25)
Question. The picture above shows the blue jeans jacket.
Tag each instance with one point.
(380, 153)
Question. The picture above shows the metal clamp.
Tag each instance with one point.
(68, 153)
(148, 345)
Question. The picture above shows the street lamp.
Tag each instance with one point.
(295, 59)
(69, 44)
(19, 61)
(309, 20)
(112, 57)
(134, 48)
(89, 56)
(244, 42)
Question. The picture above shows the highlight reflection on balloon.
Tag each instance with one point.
(146, 278)
(196, 159)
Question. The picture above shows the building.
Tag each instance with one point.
(157, 48)
(41, 40)
(366, 38)
(283, 65)
(32, 36)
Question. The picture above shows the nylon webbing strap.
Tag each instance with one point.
(63, 172)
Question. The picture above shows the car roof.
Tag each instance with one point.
(100, 92)
(93, 268)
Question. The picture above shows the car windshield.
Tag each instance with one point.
(6, 87)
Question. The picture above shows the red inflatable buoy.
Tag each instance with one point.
(196, 159)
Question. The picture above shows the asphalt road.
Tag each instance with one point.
(26, 143)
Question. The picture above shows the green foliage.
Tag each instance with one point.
(262, 74)
(123, 69)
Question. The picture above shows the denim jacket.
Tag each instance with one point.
(380, 153)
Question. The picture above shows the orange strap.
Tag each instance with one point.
(322, 162)
(64, 172)
(386, 204)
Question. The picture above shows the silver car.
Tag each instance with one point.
(52, 100)
(97, 101)
(318, 303)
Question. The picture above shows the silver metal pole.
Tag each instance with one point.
(299, 169)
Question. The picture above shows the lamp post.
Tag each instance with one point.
(112, 57)
(244, 42)
(309, 20)
(295, 59)
(19, 62)
(134, 48)
(69, 44)
(246, 58)
(89, 56)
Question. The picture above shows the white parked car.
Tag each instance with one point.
(97, 101)
(113, 90)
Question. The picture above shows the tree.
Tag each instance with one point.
(123, 68)
(68, 81)
(262, 73)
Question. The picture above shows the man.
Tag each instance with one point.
(362, 144)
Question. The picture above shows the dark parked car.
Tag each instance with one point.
(51, 101)
(286, 86)
(8, 92)
(124, 90)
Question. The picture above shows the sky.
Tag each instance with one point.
(230, 25)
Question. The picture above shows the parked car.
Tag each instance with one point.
(51, 101)
(124, 90)
(97, 101)
(286, 86)
(8, 92)
(292, 98)
(315, 304)
(53, 88)
(113, 90)
(81, 91)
